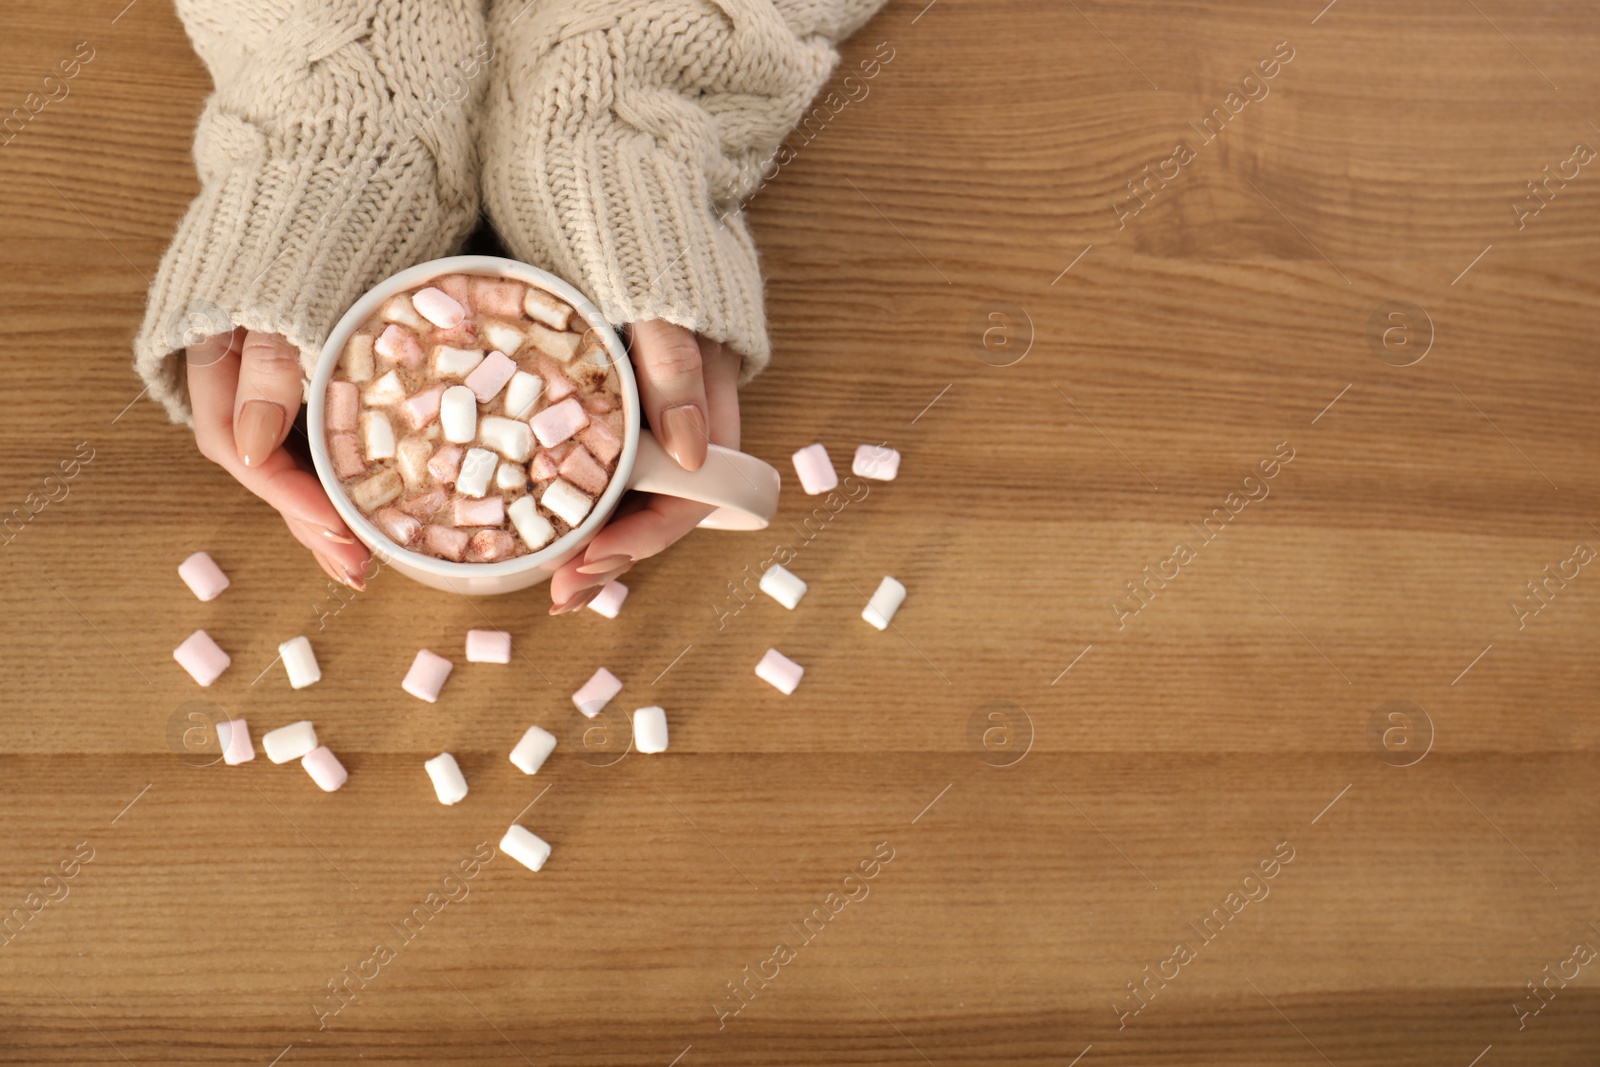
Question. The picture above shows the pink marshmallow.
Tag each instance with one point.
(237, 749)
(343, 407)
(438, 307)
(543, 468)
(604, 445)
(200, 656)
(599, 404)
(445, 542)
(876, 462)
(498, 298)
(597, 692)
(345, 451)
(558, 422)
(488, 646)
(454, 286)
(609, 602)
(202, 575)
(399, 346)
(397, 526)
(815, 470)
(581, 470)
(424, 505)
(423, 408)
(490, 376)
(324, 768)
(781, 671)
(426, 676)
(557, 386)
(445, 464)
(490, 546)
(489, 511)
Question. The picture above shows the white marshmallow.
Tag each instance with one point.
(458, 414)
(557, 343)
(476, 470)
(448, 781)
(534, 529)
(885, 602)
(488, 646)
(782, 586)
(411, 457)
(289, 742)
(876, 462)
(542, 307)
(377, 435)
(357, 358)
(399, 309)
(815, 469)
(439, 308)
(779, 670)
(525, 847)
(451, 362)
(300, 661)
(385, 390)
(510, 476)
(650, 730)
(534, 748)
(374, 492)
(609, 602)
(522, 394)
(567, 501)
(509, 437)
(506, 338)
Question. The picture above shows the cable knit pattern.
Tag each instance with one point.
(620, 138)
(335, 151)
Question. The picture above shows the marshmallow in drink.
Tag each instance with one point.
(451, 362)
(592, 697)
(609, 602)
(438, 308)
(377, 435)
(782, 586)
(490, 376)
(200, 656)
(300, 661)
(420, 409)
(488, 646)
(357, 358)
(411, 457)
(397, 526)
(202, 575)
(445, 464)
(490, 546)
(650, 730)
(344, 406)
(345, 451)
(525, 847)
(886, 600)
(567, 501)
(458, 414)
(488, 511)
(476, 471)
(445, 542)
(325, 769)
(448, 781)
(534, 748)
(499, 297)
(399, 308)
(399, 346)
(815, 469)
(542, 307)
(876, 462)
(385, 389)
(512, 439)
(780, 671)
(427, 674)
(506, 339)
(534, 529)
(560, 344)
(510, 476)
(289, 742)
(373, 493)
(522, 393)
(236, 746)
(582, 470)
(558, 422)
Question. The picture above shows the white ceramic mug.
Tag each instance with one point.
(743, 489)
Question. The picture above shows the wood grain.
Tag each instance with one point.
(1067, 788)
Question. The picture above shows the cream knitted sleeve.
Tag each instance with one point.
(620, 137)
(335, 150)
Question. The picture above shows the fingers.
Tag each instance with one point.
(214, 370)
(268, 395)
(672, 389)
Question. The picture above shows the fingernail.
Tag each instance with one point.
(355, 581)
(336, 538)
(601, 566)
(684, 431)
(577, 601)
(327, 568)
(255, 432)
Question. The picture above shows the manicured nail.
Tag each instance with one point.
(602, 566)
(683, 430)
(255, 432)
(336, 538)
(577, 601)
(355, 581)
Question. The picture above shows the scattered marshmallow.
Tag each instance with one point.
(782, 586)
(525, 847)
(491, 376)
(200, 656)
(300, 662)
(597, 692)
(558, 422)
(438, 308)
(534, 529)
(567, 501)
(509, 437)
(886, 600)
(236, 746)
(458, 414)
(650, 730)
(488, 646)
(377, 435)
(815, 470)
(534, 748)
(289, 742)
(522, 392)
(427, 674)
(476, 470)
(542, 307)
(609, 602)
(386, 389)
(782, 672)
(876, 462)
(325, 769)
(202, 575)
(448, 781)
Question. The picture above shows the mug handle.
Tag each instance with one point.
(743, 488)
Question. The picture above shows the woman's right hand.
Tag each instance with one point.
(245, 390)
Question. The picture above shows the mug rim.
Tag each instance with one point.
(363, 309)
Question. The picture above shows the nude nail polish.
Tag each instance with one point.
(683, 433)
(256, 430)
(577, 601)
(603, 566)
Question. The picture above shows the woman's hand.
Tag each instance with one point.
(689, 389)
(245, 391)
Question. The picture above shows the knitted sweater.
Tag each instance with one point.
(619, 138)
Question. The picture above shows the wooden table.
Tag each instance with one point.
(1062, 788)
